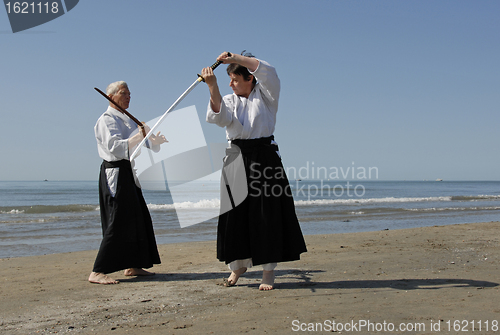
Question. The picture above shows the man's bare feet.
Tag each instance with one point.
(233, 278)
(137, 272)
(101, 278)
(267, 281)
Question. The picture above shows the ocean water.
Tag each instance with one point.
(48, 217)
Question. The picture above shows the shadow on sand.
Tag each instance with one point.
(304, 279)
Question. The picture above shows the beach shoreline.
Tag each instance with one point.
(418, 277)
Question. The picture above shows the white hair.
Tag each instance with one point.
(114, 87)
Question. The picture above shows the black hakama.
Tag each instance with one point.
(264, 227)
(128, 235)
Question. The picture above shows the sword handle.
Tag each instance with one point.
(214, 66)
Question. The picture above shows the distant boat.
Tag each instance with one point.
(439, 179)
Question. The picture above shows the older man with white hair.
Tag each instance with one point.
(128, 237)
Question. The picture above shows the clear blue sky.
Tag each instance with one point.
(409, 87)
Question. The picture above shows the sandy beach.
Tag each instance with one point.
(414, 281)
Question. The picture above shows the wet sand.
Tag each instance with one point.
(371, 282)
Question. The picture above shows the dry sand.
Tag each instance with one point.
(447, 275)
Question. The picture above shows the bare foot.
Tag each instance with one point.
(267, 281)
(101, 278)
(233, 278)
(137, 272)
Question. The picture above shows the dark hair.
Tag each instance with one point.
(241, 70)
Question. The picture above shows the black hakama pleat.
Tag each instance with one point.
(128, 235)
(264, 226)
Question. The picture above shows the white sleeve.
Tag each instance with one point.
(224, 118)
(268, 79)
(109, 136)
